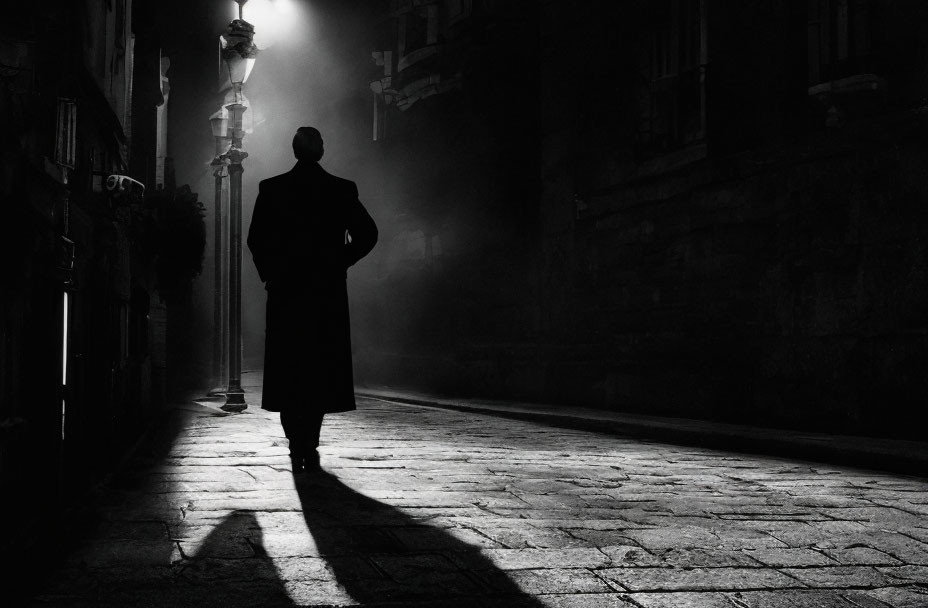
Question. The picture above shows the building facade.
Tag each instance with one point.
(734, 212)
(730, 215)
(83, 320)
(456, 139)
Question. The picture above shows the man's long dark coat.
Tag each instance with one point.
(308, 227)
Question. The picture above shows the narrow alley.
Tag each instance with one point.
(420, 506)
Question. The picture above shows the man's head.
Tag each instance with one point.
(307, 144)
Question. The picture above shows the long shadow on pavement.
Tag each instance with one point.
(382, 557)
(229, 570)
(123, 556)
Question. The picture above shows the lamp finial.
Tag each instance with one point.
(241, 5)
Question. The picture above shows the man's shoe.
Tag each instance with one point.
(311, 462)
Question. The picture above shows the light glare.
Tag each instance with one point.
(272, 19)
(64, 361)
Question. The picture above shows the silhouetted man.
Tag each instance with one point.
(308, 228)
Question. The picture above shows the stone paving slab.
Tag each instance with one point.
(699, 579)
(427, 507)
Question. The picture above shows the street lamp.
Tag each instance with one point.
(219, 123)
(238, 55)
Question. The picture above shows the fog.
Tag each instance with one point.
(432, 196)
(314, 74)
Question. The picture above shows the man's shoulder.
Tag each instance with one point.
(270, 182)
(340, 182)
(294, 179)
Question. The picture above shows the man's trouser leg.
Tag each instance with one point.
(302, 431)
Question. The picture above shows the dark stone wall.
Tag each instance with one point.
(770, 270)
(766, 268)
(61, 233)
(792, 294)
(454, 191)
(775, 275)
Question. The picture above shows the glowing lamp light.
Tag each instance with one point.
(238, 52)
(236, 96)
(219, 123)
(272, 20)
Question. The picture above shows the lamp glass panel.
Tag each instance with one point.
(219, 125)
(249, 64)
(237, 68)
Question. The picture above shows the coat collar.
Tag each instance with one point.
(307, 166)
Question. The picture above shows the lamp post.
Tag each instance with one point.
(219, 123)
(238, 56)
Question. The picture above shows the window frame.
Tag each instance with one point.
(673, 73)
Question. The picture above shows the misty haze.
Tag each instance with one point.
(464, 303)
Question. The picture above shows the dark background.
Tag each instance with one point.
(688, 208)
(579, 220)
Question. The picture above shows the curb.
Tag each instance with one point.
(897, 456)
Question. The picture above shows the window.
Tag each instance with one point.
(66, 135)
(839, 39)
(456, 10)
(418, 29)
(672, 100)
(120, 21)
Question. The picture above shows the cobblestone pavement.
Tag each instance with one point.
(426, 507)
